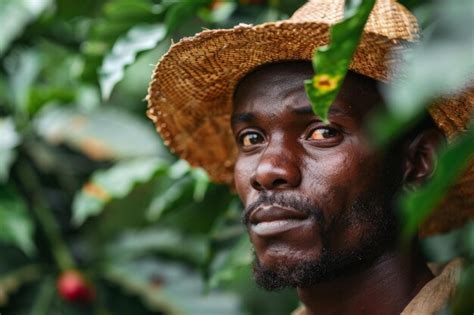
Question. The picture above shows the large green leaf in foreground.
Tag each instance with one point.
(331, 62)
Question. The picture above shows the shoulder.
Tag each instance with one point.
(435, 293)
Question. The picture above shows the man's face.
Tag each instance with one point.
(317, 197)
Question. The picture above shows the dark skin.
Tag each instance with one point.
(286, 151)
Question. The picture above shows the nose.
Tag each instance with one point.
(276, 170)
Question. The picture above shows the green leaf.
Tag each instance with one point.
(9, 139)
(116, 217)
(116, 182)
(41, 75)
(16, 224)
(184, 198)
(47, 292)
(59, 70)
(416, 206)
(167, 198)
(23, 68)
(446, 247)
(116, 18)
(133, 244)
(179, 169)
(4, 97)
(239, 258)
(101, 134)
(137, 76)
(15, 15)
(201, 183)
(142, 37)
(132, 10)
(413, 4)
(170, 288)
(218, 14)
(182, 11)
(229, 225)
(124, 52)
(383, 125)
(14, 279)
(40, 96)
(197, 217)
(331, 62)
(174, 186)
(12, 258)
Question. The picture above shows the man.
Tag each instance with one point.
(318, 198)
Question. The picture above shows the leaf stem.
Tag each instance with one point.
(39, 205)
(45, 297)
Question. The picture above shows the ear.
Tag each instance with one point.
(421, 157)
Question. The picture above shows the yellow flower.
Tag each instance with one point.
(325, 82)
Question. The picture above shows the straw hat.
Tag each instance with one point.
(190, 95)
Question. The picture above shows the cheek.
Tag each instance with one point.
(242, 173)
(342, 179)
(348, 170)
(337, 178)
(327, 174)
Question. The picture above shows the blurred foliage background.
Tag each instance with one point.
(87, 185)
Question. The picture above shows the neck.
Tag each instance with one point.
(385, 287)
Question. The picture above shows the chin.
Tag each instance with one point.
(274, 273)
(279, 265)
(276, 256)
(289, 248)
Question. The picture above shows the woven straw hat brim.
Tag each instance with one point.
(190, 95)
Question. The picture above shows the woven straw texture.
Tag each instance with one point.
(190, 95)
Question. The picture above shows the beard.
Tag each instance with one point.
(371, 209)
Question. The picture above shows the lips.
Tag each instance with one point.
(273, 220)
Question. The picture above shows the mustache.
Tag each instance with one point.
(284, 200)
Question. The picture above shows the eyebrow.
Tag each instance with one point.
(237, 118)
(245, 117)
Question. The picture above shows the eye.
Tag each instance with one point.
(323, 133)
(250, 138)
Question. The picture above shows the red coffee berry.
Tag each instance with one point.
(73, 287)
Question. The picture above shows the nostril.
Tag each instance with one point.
(256, 185)
(279, 182)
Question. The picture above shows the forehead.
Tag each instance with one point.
(275, 87)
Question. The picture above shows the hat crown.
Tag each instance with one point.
(388, 18)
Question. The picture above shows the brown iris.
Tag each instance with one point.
(322, 133)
